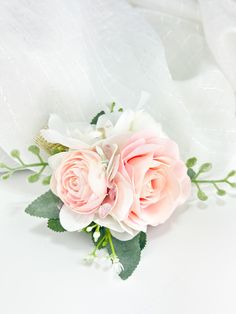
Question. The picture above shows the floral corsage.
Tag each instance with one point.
(111, 179)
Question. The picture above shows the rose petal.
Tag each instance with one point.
(124, 197)
(124, 236)
(158, 213)
(136, 223)
(55, 160)
(110, 223)
(72, 221)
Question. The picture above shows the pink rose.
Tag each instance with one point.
(79, 180)
(158, 177)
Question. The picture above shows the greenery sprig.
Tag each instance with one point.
(125, 253)
(216, 183)
(41, 165)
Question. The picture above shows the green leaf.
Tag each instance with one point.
(95, 119)
(231, 174)
(142, 240)
(191, 162)
(129, 253)
(15, 153)
(191, 173)
(33, 178)
(46, 181)
(221, 192)
(34, 149)
(2, 165)
(55, 225)
(233, 184)
(205, 167)
(202, 196)
(45, 206)
(6, 176)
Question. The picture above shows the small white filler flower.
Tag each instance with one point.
(117, 266)
(89, 259)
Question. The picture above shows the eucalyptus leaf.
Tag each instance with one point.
(47, 180)
(202, 196)
(34, 178)
(205, 167)
(232, 173)
(6, 176)
(34, 149)
(191, 162)
(15, 153)
(221, 192)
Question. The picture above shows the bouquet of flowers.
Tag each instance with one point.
(111, 178)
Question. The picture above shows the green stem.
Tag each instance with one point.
(6, 167)
(42, 169)
(40, 159)
(23, 167)
(197, 185)
(114, 255)
(20, 161)
(216, 186)
(197, 175)
(209, 181)
(99, 244)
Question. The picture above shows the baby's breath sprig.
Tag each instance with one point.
(102, 237)
(41, 164)
(206, 167)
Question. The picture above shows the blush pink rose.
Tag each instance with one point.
(79, 180)
(152, 167)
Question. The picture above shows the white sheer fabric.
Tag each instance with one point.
(72, 57)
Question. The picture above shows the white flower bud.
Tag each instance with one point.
(89, 229)
(96, 235)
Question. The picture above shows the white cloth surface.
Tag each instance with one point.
(72, 57)
(187, 267)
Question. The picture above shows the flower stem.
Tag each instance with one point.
(99, 244)
(25, 166)
(197, 185)
(43, 167)
(114, 255)
(209, 181)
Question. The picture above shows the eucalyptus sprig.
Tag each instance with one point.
(41, 165)
(216, 183)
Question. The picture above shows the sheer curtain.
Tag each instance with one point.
(73, 57)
